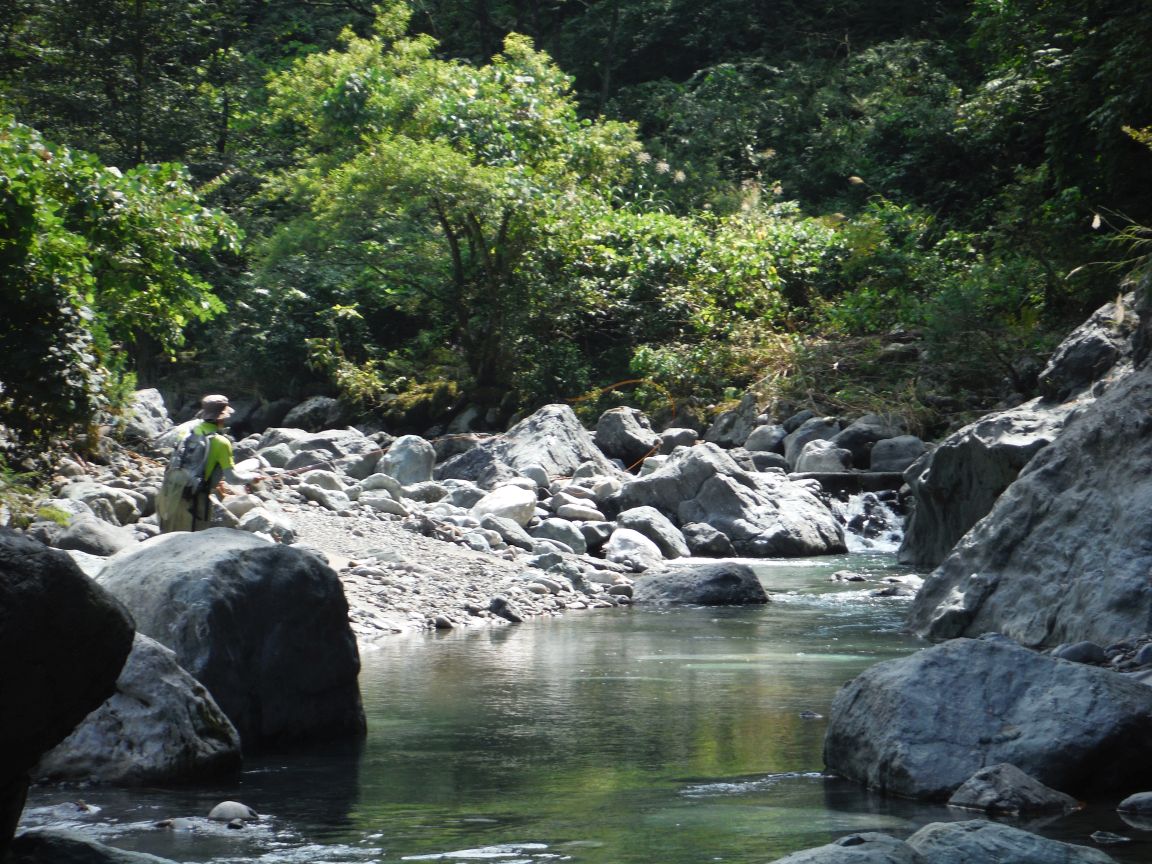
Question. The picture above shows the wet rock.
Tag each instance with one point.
(1004, 788)
(981, 841)
(1139, 803)
(866, 848)
(227, 811)
(64, 847)
(720, 584)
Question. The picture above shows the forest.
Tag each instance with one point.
(420, 206)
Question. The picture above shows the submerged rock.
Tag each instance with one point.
(1004, 788)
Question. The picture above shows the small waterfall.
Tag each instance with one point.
(872, 521)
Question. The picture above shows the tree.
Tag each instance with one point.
(429, 180)
(91, 260)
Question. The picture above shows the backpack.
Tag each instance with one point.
(184, 477)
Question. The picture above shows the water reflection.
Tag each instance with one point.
(629, 736)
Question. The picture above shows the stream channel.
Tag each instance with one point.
(627, 736)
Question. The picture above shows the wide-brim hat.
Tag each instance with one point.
(214, 407)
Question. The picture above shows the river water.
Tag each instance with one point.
(629, 736)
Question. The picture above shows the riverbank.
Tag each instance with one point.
(397, 580)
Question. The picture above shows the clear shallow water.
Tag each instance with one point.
(630, 736)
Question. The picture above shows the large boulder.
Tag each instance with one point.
(812, 429)
(627, 435)
(1064, 555)
(1091, 350)
(956, 484)
(862, 434)
(762, 515)
(316, 413)
(94, 536)
(712, 584)
(409, 459)
(160, 726)
(147, 417)
(920, 726)
(263, 626)
(656, 527)
(732, 428)
(551, 439)
(63, 641)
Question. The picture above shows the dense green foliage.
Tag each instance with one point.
(708, 196)
(91, 262)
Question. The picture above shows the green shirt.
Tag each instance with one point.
(219, 452)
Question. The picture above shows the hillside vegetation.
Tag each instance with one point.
(853, 205)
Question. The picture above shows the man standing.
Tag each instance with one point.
(201, 460)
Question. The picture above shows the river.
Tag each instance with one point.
(629, 736)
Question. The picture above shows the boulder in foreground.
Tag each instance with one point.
(713, 584)
(920, 726)
(264, 627)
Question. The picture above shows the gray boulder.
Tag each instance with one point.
(656, 527)
(762, 515)
(551, 439)
(1004, 788)
(345, 451)
(732, 428)
(1064, 555)
(920, 726)
(896, 455)
(864, 848)
(507, 502)
(94, 536)
(703, 539)
(409, 460)
(860, 436)
(147, 417)
(160, 726)
(1139, 803)
(63, 641)
(273, 523)
(562, 531)
(316, 413)
(767, 439)
(1091, 350)
(815, 429)
(626, 434)
(676, 436)
(713, 584)
(263, 626)
(978, 841)
(633, 550)
(956, 484)
(114, 505)
(510, 531)
(823, 457)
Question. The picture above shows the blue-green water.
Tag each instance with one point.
(630, 736)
